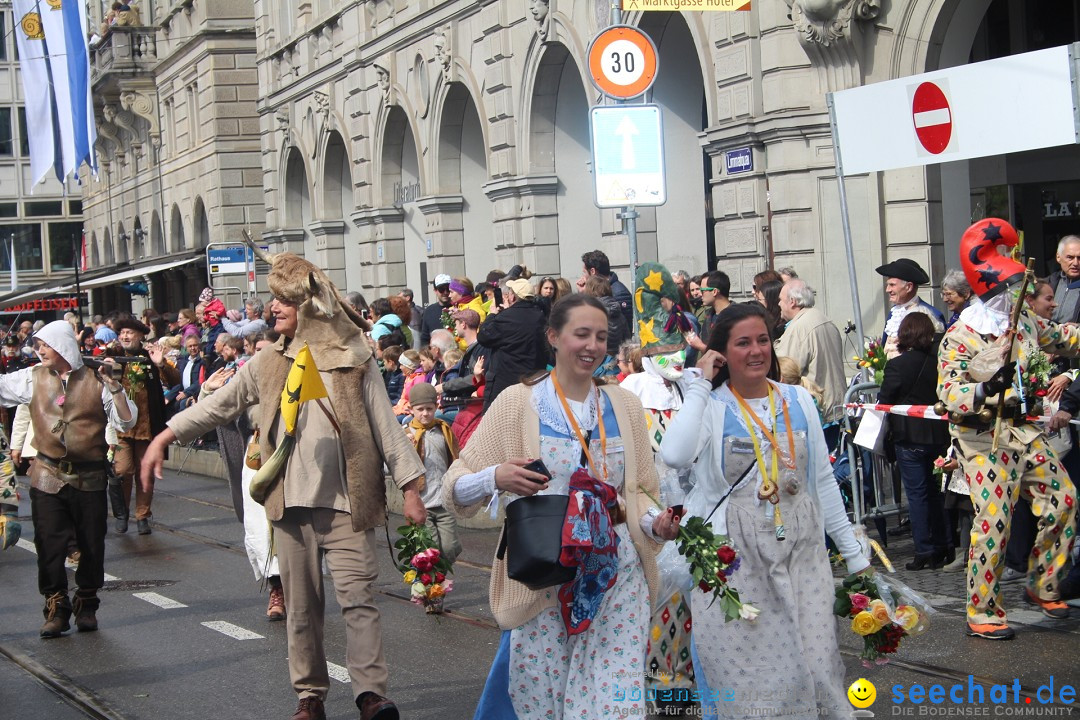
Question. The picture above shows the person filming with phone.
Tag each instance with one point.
(594, 455)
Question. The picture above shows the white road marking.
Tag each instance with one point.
(110, 578)
(929, 118)
(338, 673)
(234, 631)
(27, 545)
(160, 600)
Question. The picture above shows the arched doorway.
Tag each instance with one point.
(337, 205)
(683, 227)
(110, 255)
(95, 256)
(401, 189)
(463, 171)
(202, 224)
(122, 241)
(297, 197)
(138, 241)
(157, 240)
(176, 228)
(559, 144)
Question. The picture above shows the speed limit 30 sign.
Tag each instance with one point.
(622, 62)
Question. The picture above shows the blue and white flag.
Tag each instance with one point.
(52, 23)
(78, 73)
(43, 136)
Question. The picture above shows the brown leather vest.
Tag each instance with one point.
(74, 430)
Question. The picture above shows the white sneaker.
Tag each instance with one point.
(1010, 576)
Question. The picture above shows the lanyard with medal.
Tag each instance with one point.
(770, 489)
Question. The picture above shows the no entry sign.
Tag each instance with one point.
(932, 116)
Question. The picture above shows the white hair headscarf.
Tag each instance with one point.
(60, 336)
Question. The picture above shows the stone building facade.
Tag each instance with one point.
(403, 139)
(178, 144)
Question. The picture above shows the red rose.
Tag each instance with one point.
(439, 577)
(426, 579)
(704, 586)
(721, 577)
(725, 554)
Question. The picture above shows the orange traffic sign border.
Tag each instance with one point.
(599, 46)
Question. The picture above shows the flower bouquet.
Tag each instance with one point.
(873, 359)
(1036, 378)
(882, 612)
(712, 560)
(423, 567)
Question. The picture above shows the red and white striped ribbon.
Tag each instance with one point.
(920, 411)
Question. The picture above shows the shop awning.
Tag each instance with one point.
(91, 281)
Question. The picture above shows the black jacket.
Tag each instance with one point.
(430, 320)
(911, 379)
(618, 329)
(461, 386)
(518, 347)
(622, 294)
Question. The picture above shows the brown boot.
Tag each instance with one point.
(275, 610)
(86, 605)
(57, 614)
(310, 708)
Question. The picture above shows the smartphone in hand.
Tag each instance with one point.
(537, 466)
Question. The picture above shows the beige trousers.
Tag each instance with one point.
(300, 537)
(127, 463)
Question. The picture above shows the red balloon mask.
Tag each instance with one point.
(987, 270)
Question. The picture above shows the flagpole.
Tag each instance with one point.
(78, 288)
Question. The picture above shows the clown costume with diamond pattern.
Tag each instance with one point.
(661, 387)
(1023, 464)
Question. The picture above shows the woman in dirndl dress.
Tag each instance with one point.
(742, 431)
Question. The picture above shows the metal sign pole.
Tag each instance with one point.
(846, 221)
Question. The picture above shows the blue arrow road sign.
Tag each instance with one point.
(628, 155)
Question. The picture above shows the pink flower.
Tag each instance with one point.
(448, 585)
(940, 462)
(421, 562)
(859, 601)
(60, 400)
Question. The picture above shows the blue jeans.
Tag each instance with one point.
(926, 504)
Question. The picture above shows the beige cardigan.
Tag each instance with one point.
(511, 428)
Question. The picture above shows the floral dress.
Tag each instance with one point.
(600, 672)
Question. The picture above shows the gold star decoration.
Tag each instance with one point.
(654, 281)
(645, 330)
(637, 299)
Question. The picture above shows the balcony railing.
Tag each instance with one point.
(124, 49)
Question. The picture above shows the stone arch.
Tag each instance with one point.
(110, 251)
(200, 224)
(401, 186)
(157, 238)
(683, 224)
(297, 197)
(95, 254)
(336, 177)
(461, 170)
(177, 242)
(122, 241)
(557, 144)
(138, 241)
(935, 35)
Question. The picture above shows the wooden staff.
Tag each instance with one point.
(1014, 321)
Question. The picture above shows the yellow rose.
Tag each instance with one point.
(864, 624)
(880, 612)
(907, 617)
(410, 577)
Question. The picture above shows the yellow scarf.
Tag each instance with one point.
(419, 429)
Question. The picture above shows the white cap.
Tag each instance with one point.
(442, 279)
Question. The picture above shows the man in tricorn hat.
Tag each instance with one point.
(331, 492)
(142, 380)
(973, 375)
(902, 280)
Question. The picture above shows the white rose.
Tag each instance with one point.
(748, 612)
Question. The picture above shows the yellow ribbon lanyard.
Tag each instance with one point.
(770, 489)
(581, 435)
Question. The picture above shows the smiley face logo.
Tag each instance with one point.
(862, 693)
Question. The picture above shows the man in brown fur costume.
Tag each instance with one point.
(347, 435)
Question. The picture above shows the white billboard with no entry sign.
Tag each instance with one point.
(1016, 103)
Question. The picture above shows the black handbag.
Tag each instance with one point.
(532, 541)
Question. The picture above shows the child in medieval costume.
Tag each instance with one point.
(979, 364)
(661, 387)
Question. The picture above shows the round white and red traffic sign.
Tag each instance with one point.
(932, 116)
(622, 62)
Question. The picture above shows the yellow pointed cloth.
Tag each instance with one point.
(302, 384)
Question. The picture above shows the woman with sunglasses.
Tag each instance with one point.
(761, 470)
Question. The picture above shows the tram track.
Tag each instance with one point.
(78, 697)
